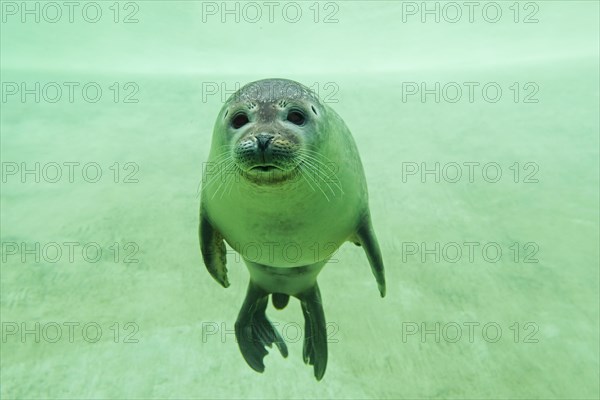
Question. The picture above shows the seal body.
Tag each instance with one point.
(311, 213)
(284, 187)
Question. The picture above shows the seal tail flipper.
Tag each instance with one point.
(254, 331)
(368, 241)
(280, 300)
(315, 331)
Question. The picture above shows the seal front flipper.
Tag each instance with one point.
(212, 246)
(254, 331)
(365, 236)
(314, 351)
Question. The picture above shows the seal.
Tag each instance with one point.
(284, 186)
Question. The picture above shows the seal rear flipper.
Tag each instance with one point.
(280, 300)
(368, 241)
(314, 350)
(212, 246)
(254, 331)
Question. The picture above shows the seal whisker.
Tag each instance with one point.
(308, 150)
(226, 186)
(316, 183)
(234, 174)
(233, 179)
(315, 170)
(221, 157)
(334, 178)
(317, 157)
(210, 180)
(301, 171)
(319, 174)
(203, 180)
(223, 165)
(222, 185)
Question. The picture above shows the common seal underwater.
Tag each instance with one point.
(284, 187)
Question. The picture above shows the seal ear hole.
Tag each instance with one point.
(296, 117)
(239, 120)
(313, 110)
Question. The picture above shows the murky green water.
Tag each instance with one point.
(485, 204)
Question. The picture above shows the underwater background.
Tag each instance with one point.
(478, 128)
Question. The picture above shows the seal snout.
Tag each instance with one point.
(264, 151)
(263, 140)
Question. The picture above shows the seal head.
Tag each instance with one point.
(269, 125)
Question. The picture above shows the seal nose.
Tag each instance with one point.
(263, 140)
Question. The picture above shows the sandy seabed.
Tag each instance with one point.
(118, 303)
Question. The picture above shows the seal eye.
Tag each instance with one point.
(296, 117)
(239, 120)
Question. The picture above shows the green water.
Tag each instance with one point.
(167, 326)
